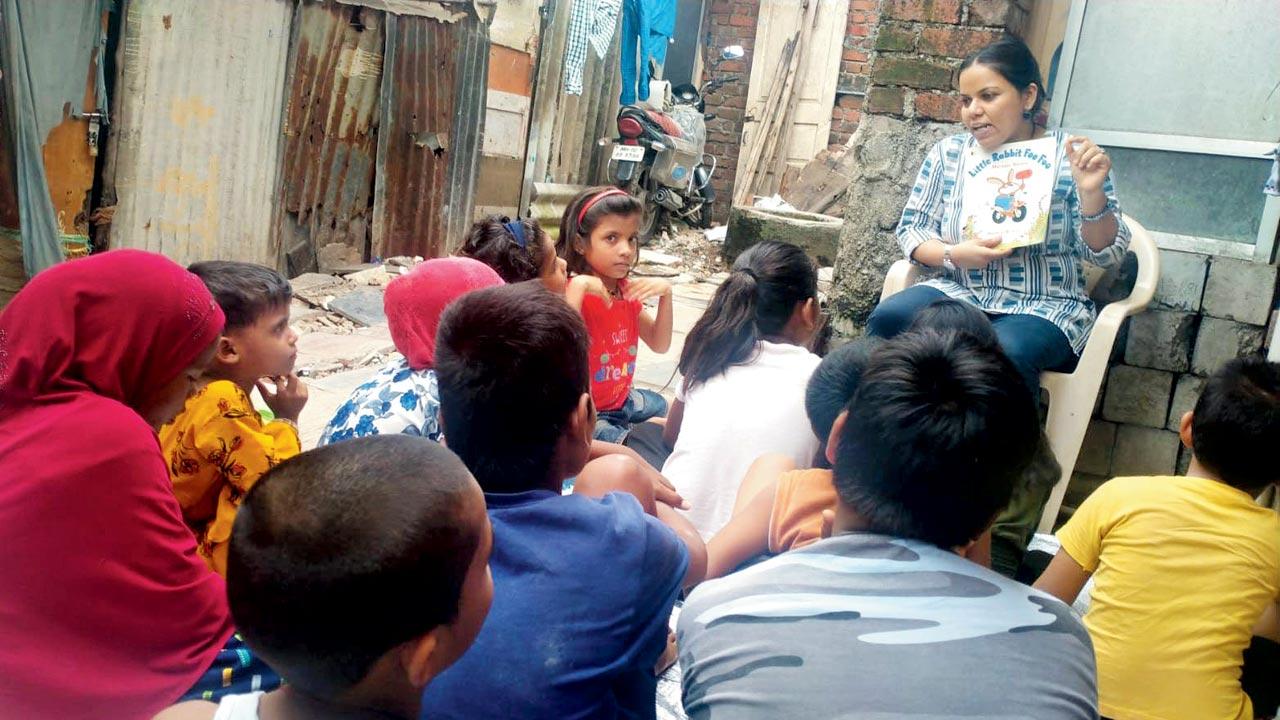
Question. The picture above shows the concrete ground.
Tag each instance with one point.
(320, 349)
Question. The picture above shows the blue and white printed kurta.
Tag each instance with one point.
(398, 400)
(1045, 280)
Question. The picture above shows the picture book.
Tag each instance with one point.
(1007, 192)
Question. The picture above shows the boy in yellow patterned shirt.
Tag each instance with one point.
(219, 446)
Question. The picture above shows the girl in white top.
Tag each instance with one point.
(745, 368)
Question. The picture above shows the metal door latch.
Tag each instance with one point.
(96, 121)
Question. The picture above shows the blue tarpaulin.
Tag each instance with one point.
(45, 52)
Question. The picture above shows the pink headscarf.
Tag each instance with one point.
(104, 606)
(414, 303)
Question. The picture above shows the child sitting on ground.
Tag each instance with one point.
(517, 250)
(745, 366)
(599, 241)
(884, 618)
(780, 508)
(360, 572)
(402, 397)
(584, 583)
(1183, 566)
(520, 250)
(219, 445)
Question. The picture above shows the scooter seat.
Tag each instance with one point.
(652, 119)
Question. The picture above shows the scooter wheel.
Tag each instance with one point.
(997, 216)
(652, 221)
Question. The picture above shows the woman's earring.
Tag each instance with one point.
(1026, 114)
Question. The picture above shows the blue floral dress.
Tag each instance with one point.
(398, 400)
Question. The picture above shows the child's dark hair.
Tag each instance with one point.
(493, 243)
(244, 290)
(511, 363)
(345, 552)
(834, 383)
(576, 225)
(958, 315)
(1011, 57)
(756, 301)
(1237, 421)
(939, 433)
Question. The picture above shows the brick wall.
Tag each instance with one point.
(854, 61)
(919, 45)
(731, 22)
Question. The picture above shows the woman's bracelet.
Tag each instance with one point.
(1109, 207)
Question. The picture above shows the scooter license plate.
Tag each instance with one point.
(632, 153)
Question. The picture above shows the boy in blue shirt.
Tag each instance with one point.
(583, 585)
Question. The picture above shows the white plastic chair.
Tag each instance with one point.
(1072, 396)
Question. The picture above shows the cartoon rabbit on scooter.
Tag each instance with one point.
(1007, 205)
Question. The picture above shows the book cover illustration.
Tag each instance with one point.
(1007, 192)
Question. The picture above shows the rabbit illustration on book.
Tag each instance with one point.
(1007, 205)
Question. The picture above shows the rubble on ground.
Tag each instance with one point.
(342, 302)
(682, 251)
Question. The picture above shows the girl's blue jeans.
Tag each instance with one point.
(613, 425)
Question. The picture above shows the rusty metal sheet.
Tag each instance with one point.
(330, 135)
(446, 10)
(433, 90)
(197, 136)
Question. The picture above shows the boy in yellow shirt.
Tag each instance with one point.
(1184, 567)
(219, 446)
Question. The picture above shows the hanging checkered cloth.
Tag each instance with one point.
(594, 22)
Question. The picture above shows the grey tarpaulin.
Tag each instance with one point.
(45, 51)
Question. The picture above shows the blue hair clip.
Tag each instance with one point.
(516, 228)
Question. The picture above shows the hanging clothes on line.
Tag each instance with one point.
(648, 24)
(592, 22)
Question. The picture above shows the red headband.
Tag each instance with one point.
(598, 197)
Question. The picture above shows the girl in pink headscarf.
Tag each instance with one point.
(105, 608)
(402, 398)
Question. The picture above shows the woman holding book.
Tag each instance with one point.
(1035, 295)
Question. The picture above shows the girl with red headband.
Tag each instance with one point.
(599, 241)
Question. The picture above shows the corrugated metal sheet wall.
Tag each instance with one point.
(433, 90)
(197, 136)
(330, 135)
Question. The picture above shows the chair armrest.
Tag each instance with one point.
(902, 275)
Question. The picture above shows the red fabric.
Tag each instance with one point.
(667, 123)
(105, 609)
(414, 303)
(615, 334)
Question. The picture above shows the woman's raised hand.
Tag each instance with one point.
(1089, 163)
(978, 253)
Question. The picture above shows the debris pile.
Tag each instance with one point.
(684, 255)
(345, 302)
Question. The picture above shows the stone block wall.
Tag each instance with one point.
(1207, 310)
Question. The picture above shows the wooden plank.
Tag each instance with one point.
(802, 64)
(756, 144)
